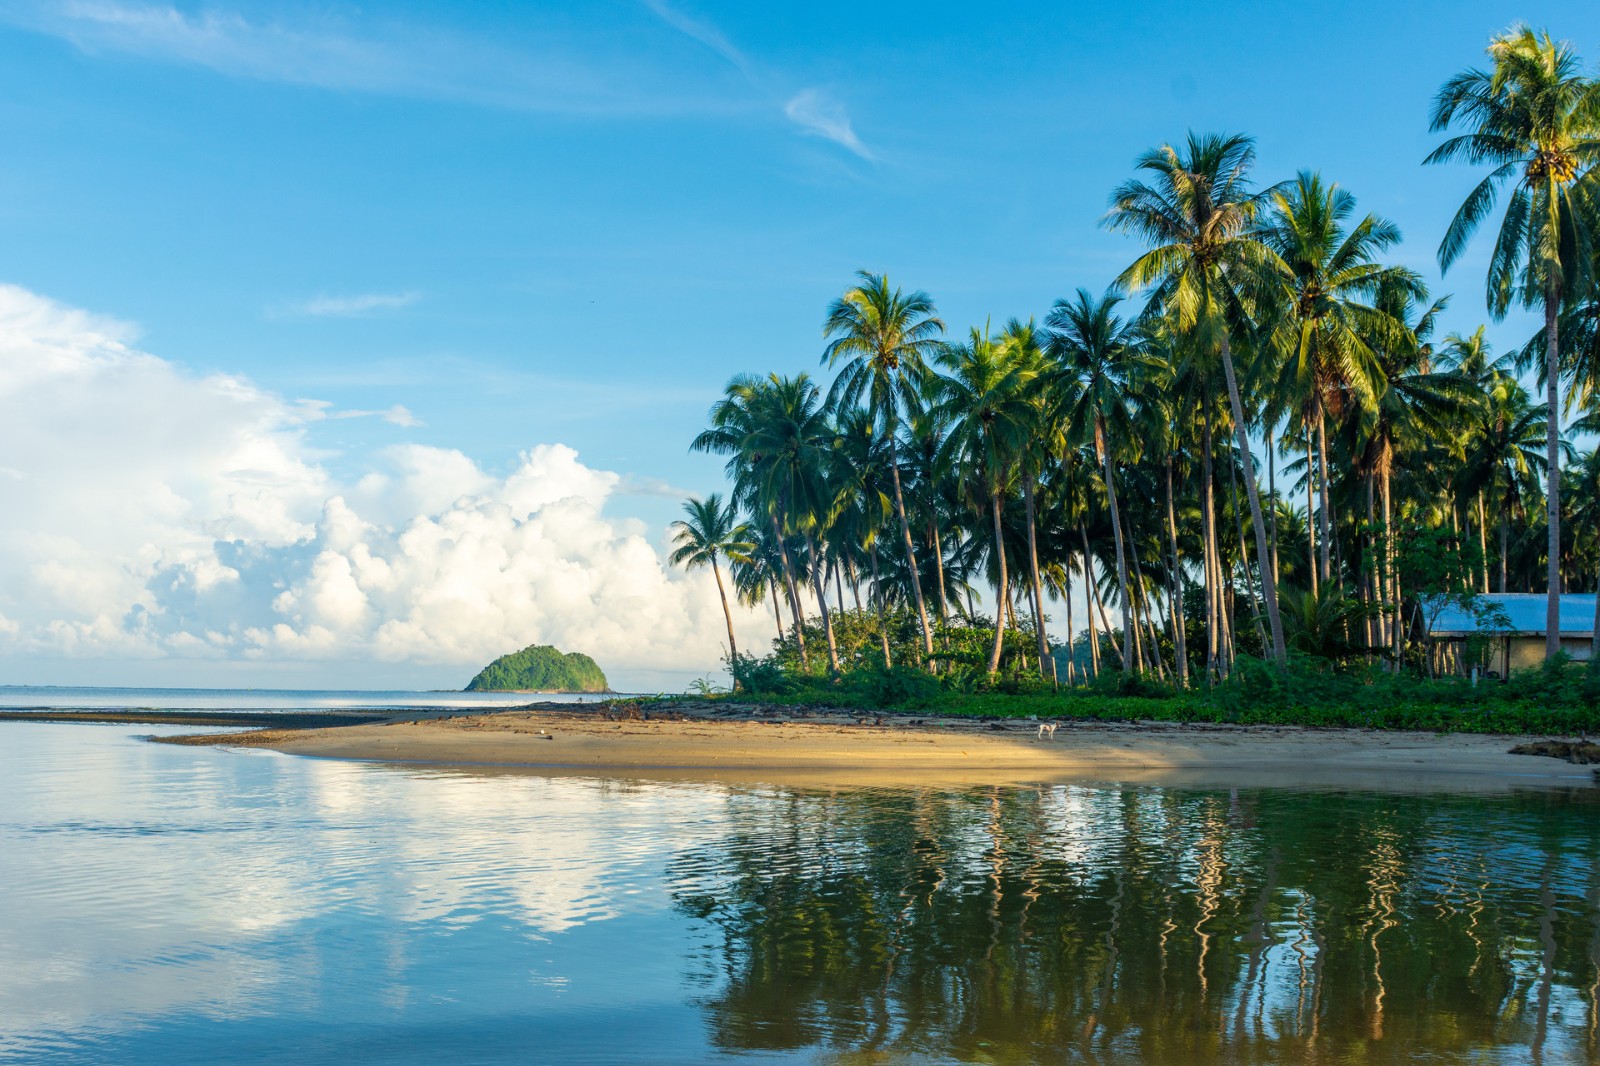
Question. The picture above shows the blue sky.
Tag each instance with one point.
(571, 223)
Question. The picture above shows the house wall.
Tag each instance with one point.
(1527, 652)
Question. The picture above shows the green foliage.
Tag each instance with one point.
(1560, 698)
(540, 668)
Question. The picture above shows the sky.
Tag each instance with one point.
(355, 345)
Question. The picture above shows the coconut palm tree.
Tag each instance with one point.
(861, 479)
(884, 337)
(1097, 355)
(984, 395)
(1324, 312)
(711, 529)
(1505, 454)
(1025, 344)
(1535, 117)
(1206, 265)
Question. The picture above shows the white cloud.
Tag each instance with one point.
(818, 114)
(558, 69)
(398, 415)
(347, 306)
(159, 513)
(700, 30)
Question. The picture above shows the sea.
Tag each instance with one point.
(167, 904)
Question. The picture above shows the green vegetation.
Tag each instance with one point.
(1108, 460)
(540, 668)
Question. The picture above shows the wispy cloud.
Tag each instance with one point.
(704, 32)
(352, 306)
(820, 115)
(398, 415)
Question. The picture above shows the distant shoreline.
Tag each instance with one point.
(721, 741)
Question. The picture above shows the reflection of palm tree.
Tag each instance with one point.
(713, 529)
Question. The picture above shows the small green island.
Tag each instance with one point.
(540, 668)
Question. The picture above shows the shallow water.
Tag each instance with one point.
(66, 697)
(180, 905)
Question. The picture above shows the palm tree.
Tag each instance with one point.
(1532, 112)
(1324, 314)
(985, 397)
(860, 475)
(1026, 347)
(1098, 356)
(712, 529)
(1206, 265)
(885, 337)
(1505, 454)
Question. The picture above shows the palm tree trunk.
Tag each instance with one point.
(911, 551)
(1179, 636)
(1208, 542)
(1244, 555)
(1272, 494)
(1311, 516)
(1000, 586)
(1377, 634)
(733, 647)
(1072, 632)
(1391, 564)
(1324, 515)
(1552, 492)
(1129, 618)
(1269, 588)
(777, 613)
(1088, 603)
(855, 585)
(838, 583)
(938, 568)
(1503, 549)
(1483, 540)
(1033, 577)
(1105, 621)
(819, 578)
(794, 593)
(877, 595)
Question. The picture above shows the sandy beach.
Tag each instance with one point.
(789, 745)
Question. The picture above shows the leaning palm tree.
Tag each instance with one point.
(1097, 354)
(884, 336)
(711, 530)
(985, 397)
(1206, 266)
(1535, 117)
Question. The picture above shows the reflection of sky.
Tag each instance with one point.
(144, 880)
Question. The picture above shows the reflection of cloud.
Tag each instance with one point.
(817, 114)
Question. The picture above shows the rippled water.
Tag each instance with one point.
(64, 697)
(171, 905)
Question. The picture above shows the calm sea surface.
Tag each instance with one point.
(54, 697)
(187, 905)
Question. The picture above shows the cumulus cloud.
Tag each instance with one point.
(155, 512)
(817, 114)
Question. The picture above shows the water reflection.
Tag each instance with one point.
(1152, 926)
(189, 905)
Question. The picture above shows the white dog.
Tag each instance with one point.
(1047, 730)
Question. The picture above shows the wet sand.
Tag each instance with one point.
(795, 746)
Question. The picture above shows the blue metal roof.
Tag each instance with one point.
(1526, 611)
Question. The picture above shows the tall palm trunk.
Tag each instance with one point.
(1244, 555)
(727, 615)
(1391, 564)
(1377, 634)
(819, 578)
(777, 612)
(1552, 492)
(794, 593)
(1129, 618)
(1088, 602)
(1208, 547)
(1483, 540)
(1272, 494)
(1180, 643)
(938, 569)
(1000, 586)
(1504, 536)
(1033, 578)
(911, 551)
(1311, 518)
(877, 597)
(1324, 514)
(1072, 632)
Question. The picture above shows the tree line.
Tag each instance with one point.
(1111, 444)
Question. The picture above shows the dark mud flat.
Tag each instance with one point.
(261, 719)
